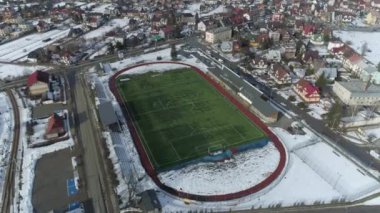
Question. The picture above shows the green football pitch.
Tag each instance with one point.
(180, 116)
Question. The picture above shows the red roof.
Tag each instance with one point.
(308, 87)
(280, 72)
(355, 58)
(308, 28)
(36, 77)
(55, 123)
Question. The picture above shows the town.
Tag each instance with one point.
(190, 106)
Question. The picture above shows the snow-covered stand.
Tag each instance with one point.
(150, 170)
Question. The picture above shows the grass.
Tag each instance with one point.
(180, 116)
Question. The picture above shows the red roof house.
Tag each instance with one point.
(281, 75)
(308, 30)
(55, 127)
(307, 91)
(38, 83)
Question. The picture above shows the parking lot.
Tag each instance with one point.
(53, 186)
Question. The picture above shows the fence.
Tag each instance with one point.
(149, 168)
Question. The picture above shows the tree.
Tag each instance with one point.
(119, 45)
(326, 38)
(301, 105)
(309, 71)
(364, 48)
(197, 19)
(321, 81)
(378, 67)
(291, 98)
(111, 48)
(334, 115)
(173, 52)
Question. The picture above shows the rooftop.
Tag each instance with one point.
(358, 88)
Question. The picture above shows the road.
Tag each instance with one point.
(97, 184)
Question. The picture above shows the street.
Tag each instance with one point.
(96, 180)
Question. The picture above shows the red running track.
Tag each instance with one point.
(152, 172)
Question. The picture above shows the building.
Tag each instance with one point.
(55, 127)
(38, 83)
(218, 34)
(357, 93)
(281, 75)
(375, 3)
(373, 17)
(307, 91)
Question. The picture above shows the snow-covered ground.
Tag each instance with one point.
(245, 170)
(219, 9)
(20, 48)
(164, 54)
(6, 135)
(359, 38)
(10, 71)
(100, 52)
(101, 31)
(101, 8)
(317, 110)
(154, 68)
(24, 185)
(195, 8)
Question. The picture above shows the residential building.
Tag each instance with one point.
(38, 83)
(307, 91)
(281, 75)
(357, 93)
(55, 127)
(373, 17)
(375, 3)
(218, 34)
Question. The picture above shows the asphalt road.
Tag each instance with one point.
(94, 171)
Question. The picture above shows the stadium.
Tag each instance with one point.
(183, 117)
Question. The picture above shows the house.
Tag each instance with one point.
(55, 127)
(42, 26)
(275, 36)
(281, 75)
(307, 91)
(259, 63)
(273, 56)
(375, 4)
(310, 56)
(289, 50)
(308, 30)
(373, 17)
(4, 30)
(94, 21)
(38, 83)
(188, 18)
(218, 34)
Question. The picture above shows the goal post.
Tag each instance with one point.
(215, 148)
